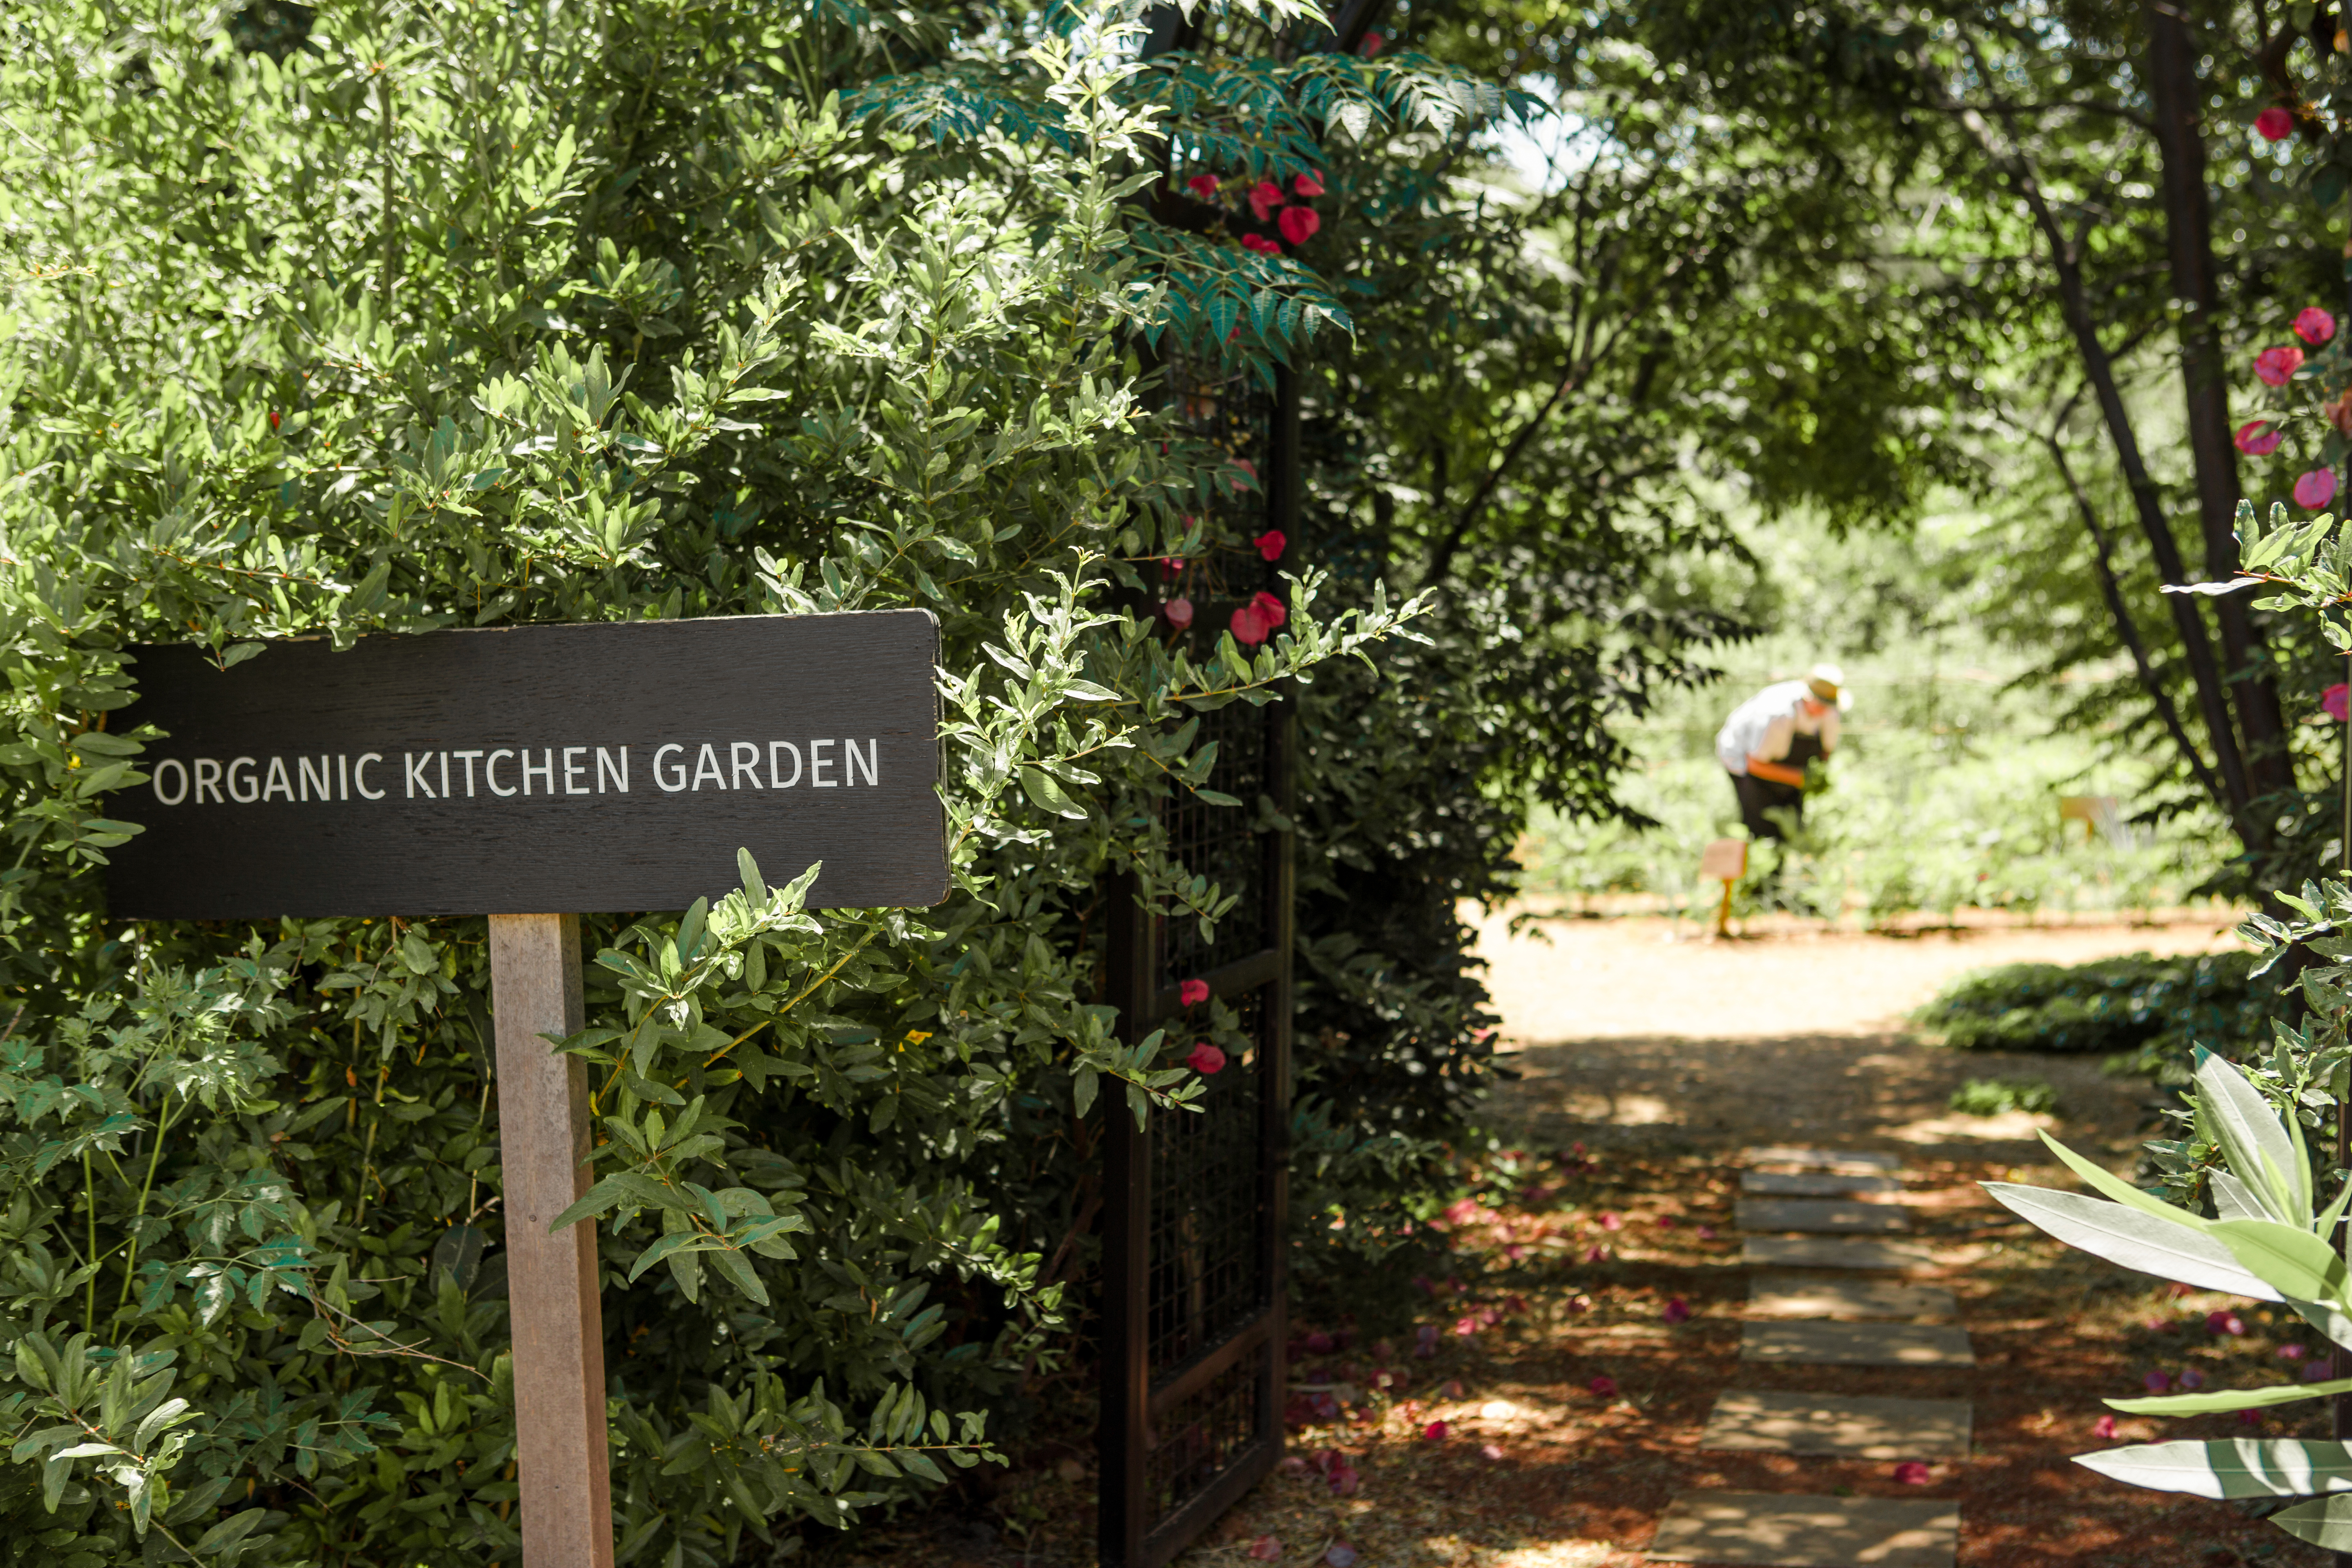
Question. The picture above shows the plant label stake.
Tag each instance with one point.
(588, 769)
(1724, 860)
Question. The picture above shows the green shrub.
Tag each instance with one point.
(2159, 1008)
(1993, 1096)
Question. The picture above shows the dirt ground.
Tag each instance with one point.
(1550, 1403)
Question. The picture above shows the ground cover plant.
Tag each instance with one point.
(2159, 1009)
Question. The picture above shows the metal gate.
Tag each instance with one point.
(1193, 1318)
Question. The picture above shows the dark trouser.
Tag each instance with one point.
(1758, 796)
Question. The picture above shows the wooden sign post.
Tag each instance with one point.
(576, 768)
(1724, 860)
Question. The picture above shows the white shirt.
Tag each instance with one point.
(1765, 724)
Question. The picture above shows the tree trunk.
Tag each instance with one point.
(2175, 93)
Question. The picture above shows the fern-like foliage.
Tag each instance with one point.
(1221, 298)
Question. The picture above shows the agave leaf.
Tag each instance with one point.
(2231, 1468)
(2134, 1238)
(2223, 1399)
(2299, 1266)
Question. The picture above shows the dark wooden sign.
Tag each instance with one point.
(571, 768)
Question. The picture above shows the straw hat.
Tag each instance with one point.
(1827, 683)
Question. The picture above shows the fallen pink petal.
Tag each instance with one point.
(1604, 1386)
(1911, 1473)
(2158, 1382)
(2296, 1352)
(1492, 1451)
(1434, 1431)
(1611, 1222)
(2105, 1426)
(1265, 1549)
(1677, 1311)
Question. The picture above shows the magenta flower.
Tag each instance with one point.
(1206, 1059)
(1173, 565)
(1193, 992)
(2105, 1426)
(1204, 186)
(2313, 325)
(2276, 367)
(1264, 198)
(1911, 1473)
(1677, 1311)
(2316, 488)
(1179, 613)
(1259, 243)
(1265, 1549)
(2223, 1323)
(1375, 43)
(1269, 609)
(1270, 544)
(2337, 700)
(2275, 124)
(2258, 437)
(1248, 625)
(2157, 1382)
(1606, 1387)
(1311, 183)
(1299, 223)
(1434, 1431)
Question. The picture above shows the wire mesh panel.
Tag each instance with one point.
(1192, 1275)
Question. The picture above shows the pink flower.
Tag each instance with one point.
(1265, 1549)
(2296, 1352)
(2313, 325)
(2337, 700)
(2157, 1382)
(1311, 183)
(1258, 243)
(1269, 609)
(1264, 198)
(1466, 1327)
(2275, 124)
(1205, 1059)
(1372, 45)
(1204, 186)
(1677, 1311)
(1299, 223)
(1606, 1387)
(1193, 992)
(2258, 437)
(1179, 613)
(1245, 470)
(1911, 1473)
(2276, 367)
(2316, 488)
(2105, 1426)
(1434, 1431)
(1597, 1255)
(1611, 1222)
(1249, 626)
(1270, 544)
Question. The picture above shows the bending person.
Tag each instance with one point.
(1770, 738)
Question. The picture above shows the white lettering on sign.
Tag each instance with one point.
(326, 777)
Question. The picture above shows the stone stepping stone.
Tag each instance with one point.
(1792, 1296)
(1823, 1215)
(1857, 1344)
(1830, 1252)
(1812, 1184)
(1851, 1160)
(1764, 1530)
(1853, 1428)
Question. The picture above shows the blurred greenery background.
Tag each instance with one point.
(1972, 715)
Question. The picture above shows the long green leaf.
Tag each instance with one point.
(2257, 1148)
(2231, 1468)
(2132, 1238)
(2102, 1180)
(2323, 1521)
(2229, 1399)
(2296, 1264)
